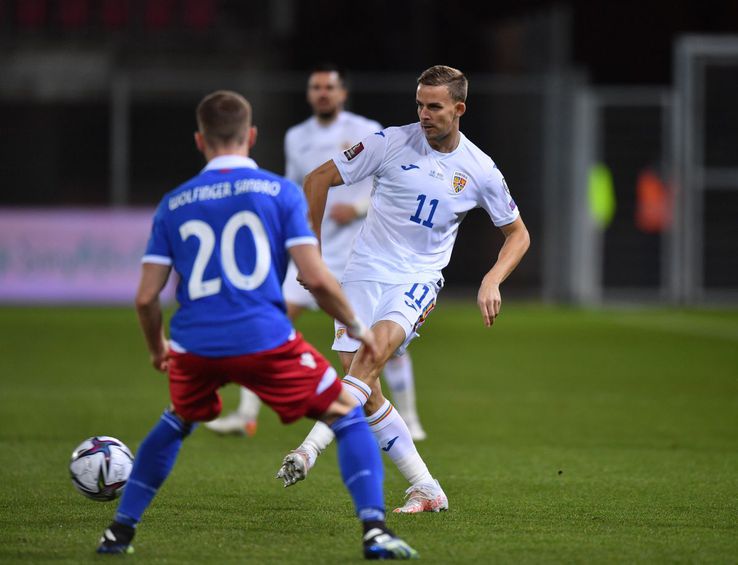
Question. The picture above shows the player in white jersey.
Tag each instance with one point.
(427, 176)
(330, 130)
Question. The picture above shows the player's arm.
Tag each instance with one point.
(328, 294)
(153, 279)
(516, 244)
(316, 186)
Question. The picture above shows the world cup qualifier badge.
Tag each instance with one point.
(354, 151)
(459, 182)
(511, 204)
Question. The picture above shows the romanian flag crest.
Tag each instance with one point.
(459, 182)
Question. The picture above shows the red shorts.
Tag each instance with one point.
(294, 379)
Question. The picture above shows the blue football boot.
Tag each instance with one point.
(116, 539)
(383, 544)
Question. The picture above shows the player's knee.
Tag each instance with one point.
(365, 368)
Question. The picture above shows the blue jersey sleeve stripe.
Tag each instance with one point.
(156, 259)
(305, 240)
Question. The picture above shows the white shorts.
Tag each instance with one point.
(294, 292)
(406, 304)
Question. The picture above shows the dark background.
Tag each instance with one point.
(624, 41)
(59, 60)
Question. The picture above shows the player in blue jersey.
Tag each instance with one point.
(229, 233)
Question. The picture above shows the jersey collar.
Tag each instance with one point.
(462, 141)
(230, 162)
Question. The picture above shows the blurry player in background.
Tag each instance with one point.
(307, 145)
(229, 233)
(427, 176)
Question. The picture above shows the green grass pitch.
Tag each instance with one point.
(559, 435)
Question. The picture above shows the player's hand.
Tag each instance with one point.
(160, 358)
(489, 301)
(343, 214)
(365, 335)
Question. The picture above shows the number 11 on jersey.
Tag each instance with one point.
(416, 217)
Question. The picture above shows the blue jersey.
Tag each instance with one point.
(227, 233)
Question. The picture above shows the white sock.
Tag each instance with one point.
(356, 388)
(321, 435)
(316, 441)
(398, 372)
(394, 439)
(249, 405)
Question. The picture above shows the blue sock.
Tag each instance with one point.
(153, 463)
(361, 464)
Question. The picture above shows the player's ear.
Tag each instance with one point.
(199, 142)
(253, 131)
(460, 109)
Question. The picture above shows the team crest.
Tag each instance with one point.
(340, 332)
(459, 182)
(354, 151)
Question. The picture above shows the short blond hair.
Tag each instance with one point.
(441, 75)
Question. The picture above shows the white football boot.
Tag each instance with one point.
(424, 497)
(232, 424)
(295, 467)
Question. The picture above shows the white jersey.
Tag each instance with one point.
(310, 144)
(420, 197)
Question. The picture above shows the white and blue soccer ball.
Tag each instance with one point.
(100, 467)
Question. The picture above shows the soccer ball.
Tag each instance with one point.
(100, 467)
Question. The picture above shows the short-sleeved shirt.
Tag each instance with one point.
(310, 144)
(227, 232)
(420, 197)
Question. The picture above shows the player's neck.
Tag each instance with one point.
(211, 154)
(447, 144)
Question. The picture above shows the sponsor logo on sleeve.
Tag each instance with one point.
(511, 204)
(354, 151)
(459, 182)
(340, 333)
